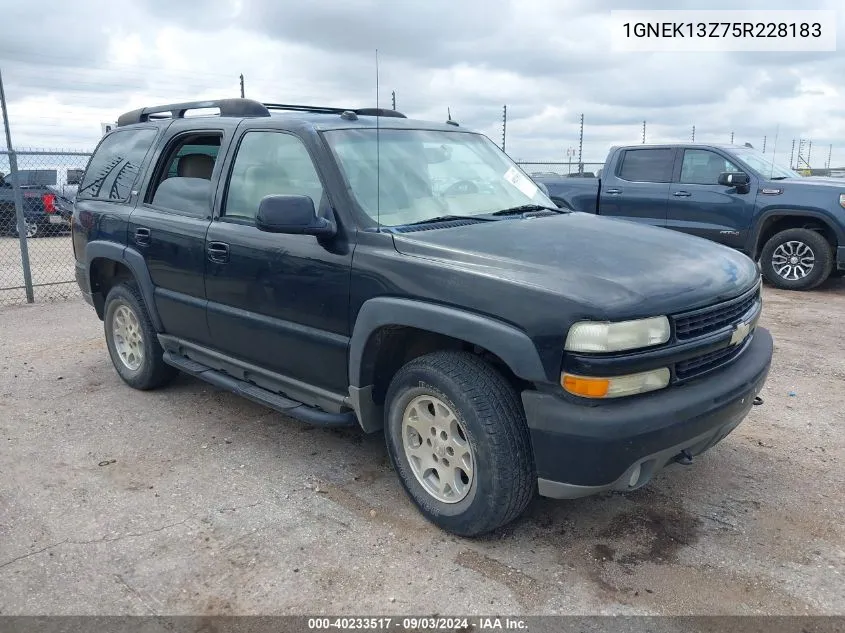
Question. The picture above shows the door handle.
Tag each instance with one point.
(142, 236)
(218, 252)
(682, 194)
(613, 192)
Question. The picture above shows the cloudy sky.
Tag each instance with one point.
(69, 65)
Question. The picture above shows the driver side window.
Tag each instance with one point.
(702, 167)
(270, 163)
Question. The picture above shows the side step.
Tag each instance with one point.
(289, 407)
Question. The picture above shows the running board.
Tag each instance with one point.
(289, 407)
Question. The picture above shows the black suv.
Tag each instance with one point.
(356, 267)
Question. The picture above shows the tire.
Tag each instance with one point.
(141, 366)
(804, 244)
(501, 480)
(32, 229)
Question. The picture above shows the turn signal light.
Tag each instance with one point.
(615, 386)
(587, 387)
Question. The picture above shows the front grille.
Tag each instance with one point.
(714, 318)
(687, 369)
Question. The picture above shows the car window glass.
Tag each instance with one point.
(116, 164)
(647, 165)
(702, 167)
(270, 163)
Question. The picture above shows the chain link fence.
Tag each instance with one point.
(37, 189)
(571, 169)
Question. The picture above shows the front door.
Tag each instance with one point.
(699, 205)
(278, 301)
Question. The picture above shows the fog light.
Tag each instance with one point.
(635, 476)
(615, 386)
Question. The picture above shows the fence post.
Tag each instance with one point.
(13, 168)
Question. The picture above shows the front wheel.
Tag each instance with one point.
(796, 259)
(457, 437)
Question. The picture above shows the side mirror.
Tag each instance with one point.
(734, 179)
(294, 215)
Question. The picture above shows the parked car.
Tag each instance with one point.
(794, 226)
(47, 210)
(298, 256)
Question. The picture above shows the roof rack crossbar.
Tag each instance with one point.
(332, 110)
(227, 107)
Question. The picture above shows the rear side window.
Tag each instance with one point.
(115, 166)
(647, 165)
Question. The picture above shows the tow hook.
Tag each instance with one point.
(757, 401)
(684, 457)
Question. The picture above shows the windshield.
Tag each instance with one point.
(417, 175)
(763, 164)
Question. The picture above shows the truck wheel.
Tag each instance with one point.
(457, 437)
(30, 228)
(796, 259)
(131, 339)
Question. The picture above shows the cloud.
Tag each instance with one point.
(549, 61)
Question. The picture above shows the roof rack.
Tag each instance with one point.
(331, 110)
(239, 108)
(227, 107)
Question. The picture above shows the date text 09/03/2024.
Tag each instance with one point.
(481, 624)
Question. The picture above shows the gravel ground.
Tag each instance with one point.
(190, 500)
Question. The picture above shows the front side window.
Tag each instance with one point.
(115, 165)
(702, 167)
(764, 165)
(405, 176)
(270, 163)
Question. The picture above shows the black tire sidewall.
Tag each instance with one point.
(821, 250)
(461, 517)
(143, 376)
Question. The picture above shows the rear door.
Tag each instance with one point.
(169, 225)
(699, 205)
(638, 188)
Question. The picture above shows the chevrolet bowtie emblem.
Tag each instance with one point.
(740, 332)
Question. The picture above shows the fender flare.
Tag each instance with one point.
(823, 217)
(510, 344)
(134, 261)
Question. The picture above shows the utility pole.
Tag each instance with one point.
(829, 155)
(809, 150)
(693, 134)
(643, 132)
(581, 146)
(242, 85)
(393, 99)
(504, 125)
(792, 154)
(764, 144)
(732, 138)
(18, 196)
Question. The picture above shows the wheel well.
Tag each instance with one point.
(773, 225)
(392, 346)
(105, 275)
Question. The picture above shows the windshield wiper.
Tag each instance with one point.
(447, 218)
(525, 208)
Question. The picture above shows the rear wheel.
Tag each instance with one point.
(457, 438)
(30, 228)
(131, 340)
(796, 259)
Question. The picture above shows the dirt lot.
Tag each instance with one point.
(190, 500)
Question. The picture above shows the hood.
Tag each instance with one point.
(618, 268)
(810, 181)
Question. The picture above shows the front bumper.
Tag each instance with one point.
(581, 450)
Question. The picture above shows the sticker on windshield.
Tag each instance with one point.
(521, 182)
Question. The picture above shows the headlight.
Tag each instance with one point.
(615, 386)
(597, 336)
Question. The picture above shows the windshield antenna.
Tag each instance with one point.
(774, 149)
(378, 157)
